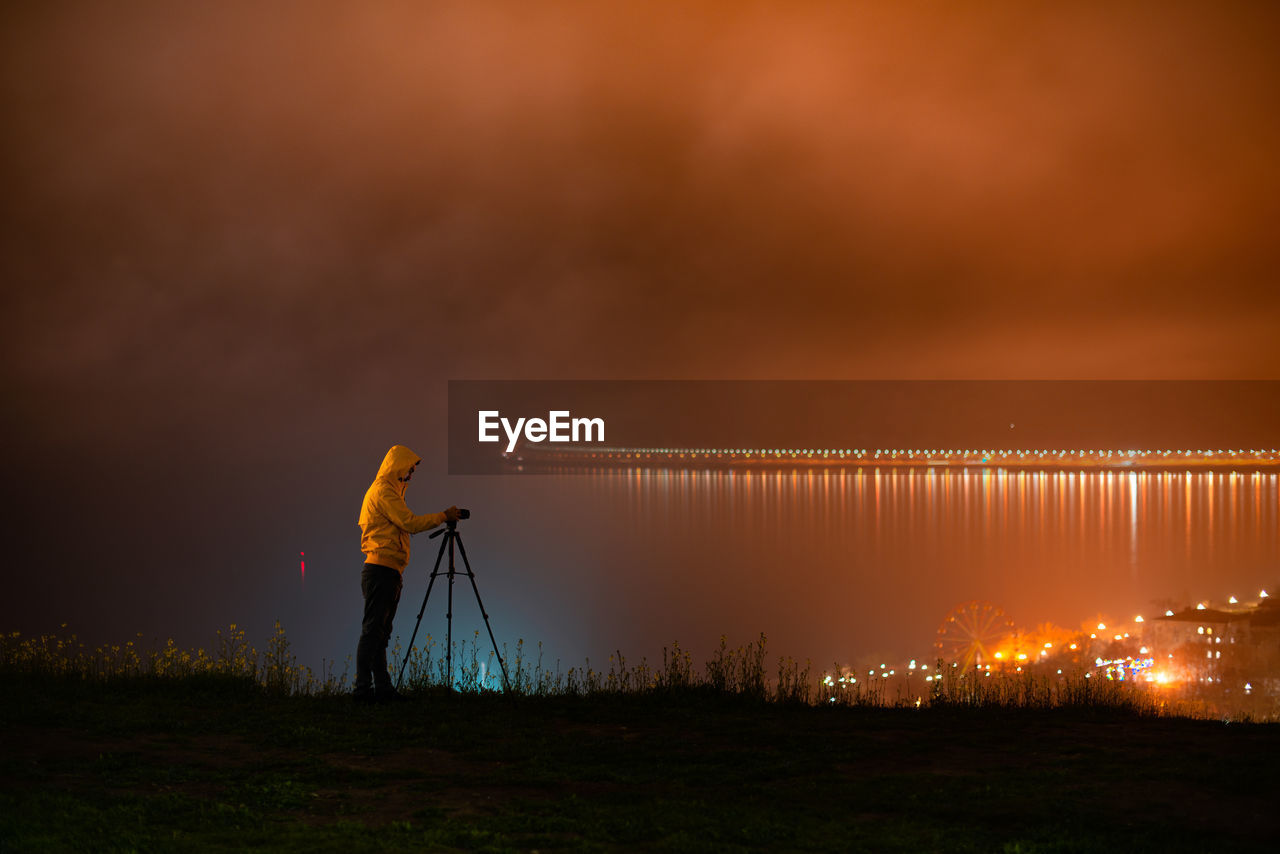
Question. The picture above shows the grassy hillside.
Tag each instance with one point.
(216, 762)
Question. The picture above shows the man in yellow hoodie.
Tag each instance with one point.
(386, 523)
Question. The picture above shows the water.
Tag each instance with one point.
(842, 565)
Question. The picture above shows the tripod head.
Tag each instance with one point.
(463, 513)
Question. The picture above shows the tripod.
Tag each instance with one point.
(451, 536)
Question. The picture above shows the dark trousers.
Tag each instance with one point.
(381, 587)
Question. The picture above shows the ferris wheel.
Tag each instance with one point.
(970, 634)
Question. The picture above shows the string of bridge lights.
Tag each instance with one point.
(904, 453)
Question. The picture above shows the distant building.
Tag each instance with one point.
(1233, 647)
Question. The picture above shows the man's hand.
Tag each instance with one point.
(451, 514)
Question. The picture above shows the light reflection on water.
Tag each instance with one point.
(834, 563)
(1207, 516)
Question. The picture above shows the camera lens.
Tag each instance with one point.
(464, 513)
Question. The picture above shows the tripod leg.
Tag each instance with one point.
(448, 649)
(434, 572)
(506, 684)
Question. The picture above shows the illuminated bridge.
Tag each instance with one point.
(582, 456)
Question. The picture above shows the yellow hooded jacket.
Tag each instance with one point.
(386, 522)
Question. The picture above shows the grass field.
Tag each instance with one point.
(217, 763)
(121, 749)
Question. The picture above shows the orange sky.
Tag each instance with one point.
(746, 190)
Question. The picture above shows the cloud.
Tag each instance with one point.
(226, 196)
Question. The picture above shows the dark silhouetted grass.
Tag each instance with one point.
(120, 749)
(220, 763)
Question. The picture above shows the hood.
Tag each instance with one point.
(396, 464)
